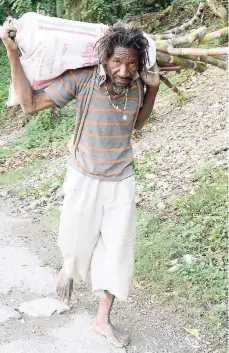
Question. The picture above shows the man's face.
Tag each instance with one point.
(122, 66)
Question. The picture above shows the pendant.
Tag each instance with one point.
(125, 117)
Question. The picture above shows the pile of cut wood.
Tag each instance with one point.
(178, 50)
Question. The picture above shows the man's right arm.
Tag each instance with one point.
(29, 101)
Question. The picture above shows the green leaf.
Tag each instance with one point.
(128, 2)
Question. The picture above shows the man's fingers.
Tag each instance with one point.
(8, 24)
(9, 31)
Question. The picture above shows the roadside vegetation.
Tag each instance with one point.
(183, 252)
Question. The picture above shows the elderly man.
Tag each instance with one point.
(97, 224)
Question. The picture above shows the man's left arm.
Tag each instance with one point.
(146, 110)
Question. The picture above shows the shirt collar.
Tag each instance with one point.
(102, 75)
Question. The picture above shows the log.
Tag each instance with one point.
(215, 62)
(157, 37)
(213, 35)
(196, 51)
(186, 40)
(188, 24)
(172, 86)
(170, 68)
(209, 60)
(163, 59)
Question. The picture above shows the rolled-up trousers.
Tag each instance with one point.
(98, 230)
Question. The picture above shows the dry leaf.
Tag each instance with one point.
(193, 331)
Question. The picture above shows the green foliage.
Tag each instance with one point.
(46, 188)
(18, 7)
(167, 11)
(4, 81)
(15, 177)
(104, 11)
(176, 79)
(142, 168)
(44, 129)
(109, 12)
(186, 3)
(196, 224)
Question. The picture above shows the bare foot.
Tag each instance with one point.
(114, 336)
(64, 287)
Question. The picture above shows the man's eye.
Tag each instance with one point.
(133, 63)
(116, 61)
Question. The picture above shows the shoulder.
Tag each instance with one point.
(84, 74)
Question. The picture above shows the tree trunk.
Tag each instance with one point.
(59, 9)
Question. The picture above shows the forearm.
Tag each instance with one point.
(147, 108)
(20, 82)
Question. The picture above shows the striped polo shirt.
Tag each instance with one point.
(104, 151)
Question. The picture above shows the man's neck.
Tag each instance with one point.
(115, 90)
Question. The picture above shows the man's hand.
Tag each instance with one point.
(151, 78)
(7, 31)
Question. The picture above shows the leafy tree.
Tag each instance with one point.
(103, 11)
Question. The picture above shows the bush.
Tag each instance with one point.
(45, 129)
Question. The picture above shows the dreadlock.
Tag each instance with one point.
(126, 36)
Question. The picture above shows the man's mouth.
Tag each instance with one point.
(122, 82)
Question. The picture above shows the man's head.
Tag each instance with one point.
(123, 50)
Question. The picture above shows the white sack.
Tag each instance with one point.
(50, 46)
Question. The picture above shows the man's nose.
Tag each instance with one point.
(123, 72)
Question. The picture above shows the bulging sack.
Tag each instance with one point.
(50, 46)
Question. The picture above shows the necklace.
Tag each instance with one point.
(116, 106)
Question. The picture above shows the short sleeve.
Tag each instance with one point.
(63, 89)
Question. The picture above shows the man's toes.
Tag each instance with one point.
(69, 289)
(113, 335)
(122, 337)
(113, 340)
(61, 292)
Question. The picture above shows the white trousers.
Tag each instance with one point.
(98, 231)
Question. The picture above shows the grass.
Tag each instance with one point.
(14, 178)
(48, 187)
(42, 130)
(196, 225)
(51, 220)
(4, 81)
(176, 79)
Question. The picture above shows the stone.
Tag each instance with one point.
(34, 204)
(175, 268)
(43, 307)
(150, 176)
(200, 114)
(59, 192)
(7, 313)
(161, 206)
(189, 259)
(216, 105)
(193, 78)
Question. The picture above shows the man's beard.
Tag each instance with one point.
(119, 90)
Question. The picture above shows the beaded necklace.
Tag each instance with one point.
(116, 106)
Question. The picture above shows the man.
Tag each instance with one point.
(97, 225)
